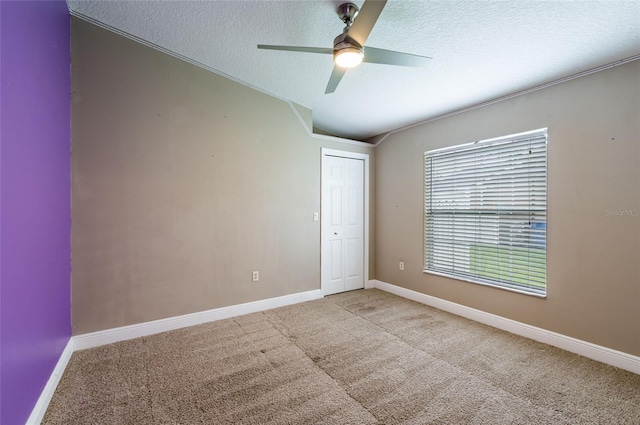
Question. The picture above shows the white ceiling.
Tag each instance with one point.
(481, 50)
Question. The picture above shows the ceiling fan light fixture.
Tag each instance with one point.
(348, 57)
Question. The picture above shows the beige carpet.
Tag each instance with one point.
(362, 357)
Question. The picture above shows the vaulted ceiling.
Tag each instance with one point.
(481, 50)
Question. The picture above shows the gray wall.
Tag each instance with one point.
(183, 182)
(593, 166)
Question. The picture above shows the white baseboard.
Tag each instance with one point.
(587, 349)
(45, 397)
(95, 339)
(109, 336)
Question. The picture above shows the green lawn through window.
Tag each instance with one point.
(526, 266)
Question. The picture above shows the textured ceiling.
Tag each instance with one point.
(481, 50)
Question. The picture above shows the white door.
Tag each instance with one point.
(342, 257)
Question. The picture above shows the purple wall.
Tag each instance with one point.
(35, 212)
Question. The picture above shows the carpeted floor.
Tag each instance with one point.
(362, 357)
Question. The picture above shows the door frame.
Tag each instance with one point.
(350, 155)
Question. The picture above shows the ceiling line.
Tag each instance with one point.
(511, 95)
(324, 136)
(217, 72)
(172, 53)
(374, 140)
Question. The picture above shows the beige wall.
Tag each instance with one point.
(183, 183)
(593, 166)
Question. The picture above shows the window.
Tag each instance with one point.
(486, 212)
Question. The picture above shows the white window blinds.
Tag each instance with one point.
(486, 212)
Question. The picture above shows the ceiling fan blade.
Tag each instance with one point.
(324, 50)
(365, 20)
(391, 57)
(335, 78)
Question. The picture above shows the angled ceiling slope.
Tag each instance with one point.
(481, 50)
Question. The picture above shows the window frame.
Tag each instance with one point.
(467, 277)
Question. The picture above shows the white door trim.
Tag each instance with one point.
(365, 157)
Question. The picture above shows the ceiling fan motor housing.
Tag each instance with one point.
(344, 41)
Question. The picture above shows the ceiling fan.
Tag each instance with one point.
(348, 48)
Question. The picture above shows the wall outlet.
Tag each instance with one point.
(316, 216)
(256, 276)
(401, 265)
